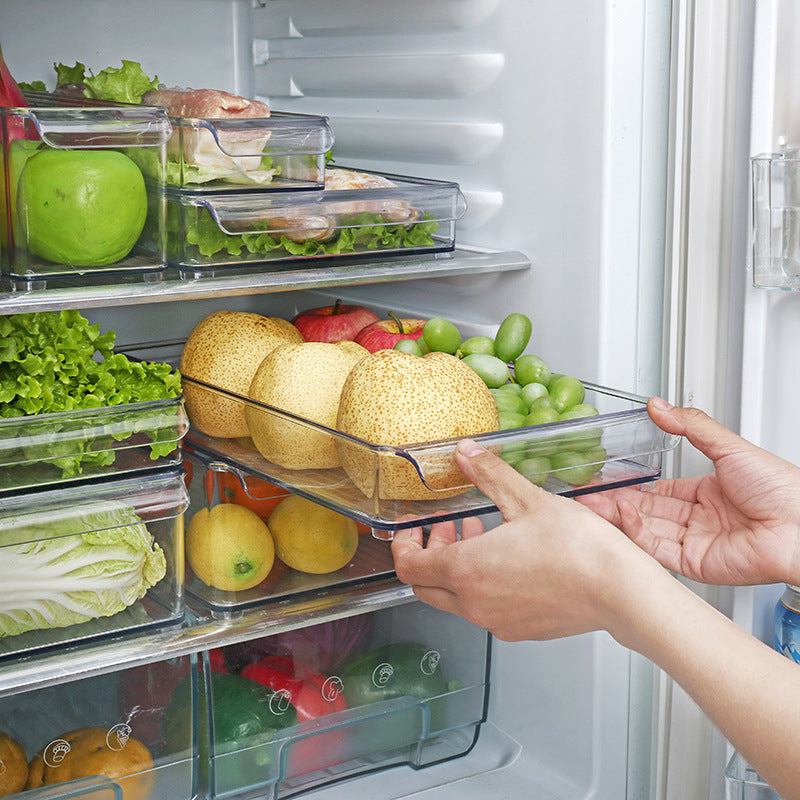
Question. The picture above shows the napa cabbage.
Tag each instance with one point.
(92, 563)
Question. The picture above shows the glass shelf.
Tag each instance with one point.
(97, 291)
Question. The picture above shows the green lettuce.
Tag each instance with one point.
(362, 232)
(56, 572)
(52, 362)
(125, 84)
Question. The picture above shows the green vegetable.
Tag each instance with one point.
(512, 336)
(125, 84)
(56, 572)
(52, 362)
(369, 232)
(246, 717)
(402, 669)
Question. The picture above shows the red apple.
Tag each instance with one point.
(386, 333)
(335, 323)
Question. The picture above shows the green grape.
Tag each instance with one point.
(535, 469)
(566, 392)
(545, 401)
(491, 370)
(508, 401)
(409, 346)
(478, 344)
(510, 419)
(512, 337)
(542, 415)
(441, 335)
(571, 466)
(532, 391)
(531, 369)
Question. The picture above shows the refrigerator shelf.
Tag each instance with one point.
(112, 290)
(619, 447)
(742, 782)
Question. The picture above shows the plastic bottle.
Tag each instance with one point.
(787, 623)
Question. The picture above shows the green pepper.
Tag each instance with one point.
(246, 716)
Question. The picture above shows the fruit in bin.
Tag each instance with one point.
(258, 495)
(478, 344)
(410, 346)
(95, 751)
(576, 467)
(311, 538)
(441, 335)
(13, 766)
(385, 333)
(566, 392)
(229, 547)
(492, 371)
(333, 323)
(512, 337)
(531, 369)
(534, 468)
(305, 379)
(86, 208)
(224, 350)
(532, 391)
(392, 398)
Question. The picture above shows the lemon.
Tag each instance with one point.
(229, 547)
(86, 208)
(311, 538)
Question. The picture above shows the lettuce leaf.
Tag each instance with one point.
(359, 233)
(61, 571)
(125, 84)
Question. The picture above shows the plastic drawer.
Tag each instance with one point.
(91, 561)
(72, 174)
(411, 688)
(742, 782)
(282, 151)
(104, 737)
(47, 449)
(213, 481)
(413, 215)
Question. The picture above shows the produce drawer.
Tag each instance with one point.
(46, 449)
(103, 738)
(406, 685)
(91, 561)
(79, 201)
(341, 555)
(776, 220)
(209, 232)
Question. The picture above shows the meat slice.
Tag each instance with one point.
(206, 104)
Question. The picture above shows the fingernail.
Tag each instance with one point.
(660, 403)
(469, 448)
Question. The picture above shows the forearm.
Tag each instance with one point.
(749, 691)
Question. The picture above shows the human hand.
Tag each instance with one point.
(738, 525)
(551, 569)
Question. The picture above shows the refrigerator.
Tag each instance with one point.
(601, 159)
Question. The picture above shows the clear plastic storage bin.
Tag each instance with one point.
(406, 685)
(742, 782)
(102, 738)
(45, 449)
(282, 151)
(413, 215)
(91, 561)
(82, 197)
(776, 220)
(215, 482)
(619, 447)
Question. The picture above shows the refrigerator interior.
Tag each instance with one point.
(554, 120)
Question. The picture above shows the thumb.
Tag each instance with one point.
(710, 437)
(512, 493)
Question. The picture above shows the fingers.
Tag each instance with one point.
(513, 494)
(706, 434)
(471, 526)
